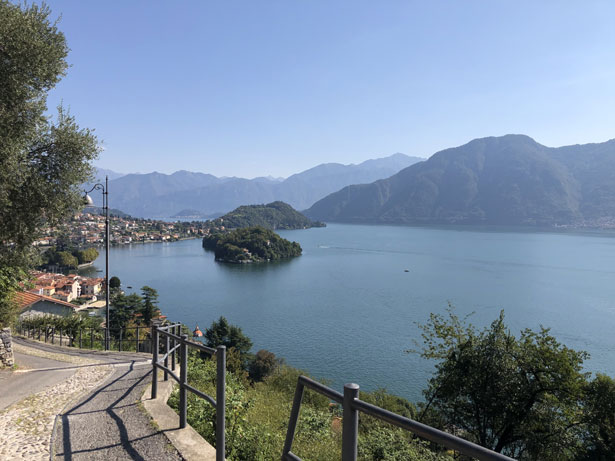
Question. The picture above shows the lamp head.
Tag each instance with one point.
(87, 200)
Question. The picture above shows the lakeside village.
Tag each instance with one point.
(88, 229)
(55, 289)
(59, 294)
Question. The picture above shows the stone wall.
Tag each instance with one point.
(6, 348)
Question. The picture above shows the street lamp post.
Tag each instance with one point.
(105, 192)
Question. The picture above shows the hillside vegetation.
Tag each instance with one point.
(258, 412)
(250, 245)
(259, 392)
(508, 180)
(275, 215)
(527, 397)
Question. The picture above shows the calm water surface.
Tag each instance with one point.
(346, 310)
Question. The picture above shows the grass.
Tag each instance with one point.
(258, 414)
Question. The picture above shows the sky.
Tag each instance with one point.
(273, 87)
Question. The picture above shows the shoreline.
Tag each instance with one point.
(149, 241)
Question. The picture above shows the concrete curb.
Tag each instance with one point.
(188, 442)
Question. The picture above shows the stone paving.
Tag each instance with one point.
(27, 425)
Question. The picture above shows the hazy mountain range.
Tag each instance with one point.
(158, 195)
(508, 180)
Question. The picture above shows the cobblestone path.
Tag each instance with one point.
(95, 409)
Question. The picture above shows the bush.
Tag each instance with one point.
(391, 444)
(284, 380)
(263, 364)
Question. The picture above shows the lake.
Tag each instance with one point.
(347, 310)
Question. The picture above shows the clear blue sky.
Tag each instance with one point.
(250, 88)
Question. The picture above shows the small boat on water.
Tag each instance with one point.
(129, 287)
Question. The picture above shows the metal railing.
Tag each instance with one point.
(127, 339)
(351, 406)
(174, 340)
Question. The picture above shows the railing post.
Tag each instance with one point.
(137, 344)
(292, 422)
(46, 333)
(119, 345)
(221, 403)
(39, 333)
(173, 344)
(183, 380)
(154, 361)
(166, 358)
(91, 338)
(80, 338)
(350, 423)
(53, 335)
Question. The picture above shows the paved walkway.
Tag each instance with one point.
(93, 401)
(26, 424)
(109, 424)
(32, 375)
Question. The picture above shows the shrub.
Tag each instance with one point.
(263, 364)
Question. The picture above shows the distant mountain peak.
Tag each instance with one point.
(505, 180)
(156, 195)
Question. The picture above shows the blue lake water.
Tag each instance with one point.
(346, 310)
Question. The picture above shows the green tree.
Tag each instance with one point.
(9, 284)
(519, 396)
(114, 283)
(222, 333)
(150, 308)
(123, 311)
(86, 256)
(599, 419)
(66, 259)
(50, 256)
(44, 159)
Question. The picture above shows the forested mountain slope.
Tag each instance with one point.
(508, 180)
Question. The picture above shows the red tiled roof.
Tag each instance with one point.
(25, 299)
(92, 282)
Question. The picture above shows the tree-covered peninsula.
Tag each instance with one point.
(250, 245)
(275, 215)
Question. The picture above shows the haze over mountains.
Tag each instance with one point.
(157, 195)
(508, 180)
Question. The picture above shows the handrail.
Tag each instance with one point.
(321, 389)
(86, 338)
(169, 371)
(201, 394)
(176, 347)
(352, 405)
(172, 341)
